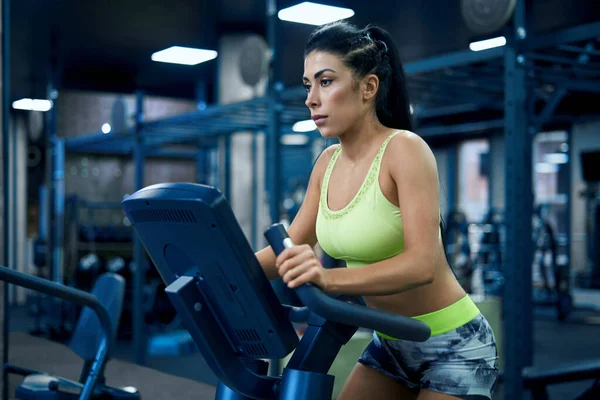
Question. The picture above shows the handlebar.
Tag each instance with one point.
(317, 301)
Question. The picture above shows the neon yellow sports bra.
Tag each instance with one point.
(369, 228)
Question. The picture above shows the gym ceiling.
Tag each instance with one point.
(106, 45)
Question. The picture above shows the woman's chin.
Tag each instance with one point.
(327, 133)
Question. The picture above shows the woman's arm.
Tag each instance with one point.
(413, 168)
(303, 228)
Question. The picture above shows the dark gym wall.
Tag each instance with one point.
(100, 178)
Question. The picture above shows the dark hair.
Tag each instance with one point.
(369, 51)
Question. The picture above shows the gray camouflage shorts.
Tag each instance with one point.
(462, 363)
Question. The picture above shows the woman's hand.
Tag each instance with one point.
(299, 264)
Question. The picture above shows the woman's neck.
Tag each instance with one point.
(361, 141)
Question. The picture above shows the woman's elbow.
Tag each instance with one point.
(428, 278)
(427, 269)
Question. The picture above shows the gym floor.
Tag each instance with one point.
(188, 376)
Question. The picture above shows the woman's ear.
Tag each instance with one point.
(370, 86)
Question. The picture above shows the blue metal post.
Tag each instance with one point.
(273, 144)
(5, 179)
(273, 164)
(569, 199)
(227, 167)
(452, 171)
(14, 201)
(201, 102)
(56, 194)
(518, 347)
(254, 236)
(201, 155)
(53, 175)
(139, 347)
(490, 175)
(58, 203)
(201, 175)
(213, 166)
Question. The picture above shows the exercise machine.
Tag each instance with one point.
(227, 304)
(92, 341)
(537, 379)
(553, 277)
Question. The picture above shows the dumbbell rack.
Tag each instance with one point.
(83, 237)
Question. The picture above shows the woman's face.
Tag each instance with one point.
(333, 98)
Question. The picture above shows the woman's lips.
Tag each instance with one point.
(319, 120)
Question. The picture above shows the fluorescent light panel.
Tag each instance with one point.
(297, 139)
(184, 55)
(314, 14)
(556, 158)
(304, 126)
(488, 44)
(546, 168)
(32, 105)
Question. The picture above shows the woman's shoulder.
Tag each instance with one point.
(323, 160)
(325, 156)
(408, 145)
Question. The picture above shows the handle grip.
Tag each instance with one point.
(317, 301)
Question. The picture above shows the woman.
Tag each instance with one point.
(373, 201)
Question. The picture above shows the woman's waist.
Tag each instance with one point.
(442, 308)
(415, 302)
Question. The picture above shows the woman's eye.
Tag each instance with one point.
(325, 82)
(307, 88)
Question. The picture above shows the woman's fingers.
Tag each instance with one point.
(312, 273)
(296, 274)
(290, 253)
(294, 261)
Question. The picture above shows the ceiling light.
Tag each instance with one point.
(488, 44)
(294, 139)
(32, 105)
(546, 168)
(556, 158)
(106, 129)
(314, 14)
(184, 55)
(304, 126)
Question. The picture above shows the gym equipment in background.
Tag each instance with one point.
(458, 248)
(92, 341)
(40, 260)
(488, 257)
(590, 174)
(227, 304)
(551, 281)
(537, 379)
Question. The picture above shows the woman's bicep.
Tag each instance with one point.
(415, 172)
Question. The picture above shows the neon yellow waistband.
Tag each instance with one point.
(447, 319)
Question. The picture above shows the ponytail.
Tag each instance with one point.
(392, 105)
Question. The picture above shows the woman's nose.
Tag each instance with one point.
(311, 99)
